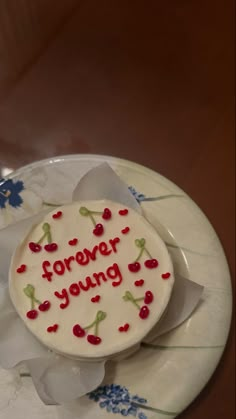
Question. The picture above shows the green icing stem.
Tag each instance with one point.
(92, 219)
(90, 325)
(100, 316)
(29, 291)
(96, 329)
(47, 233)
(140, 255)
(42, 238)
(141, 244)
(85, 212)
(129, 297)
(149, 254)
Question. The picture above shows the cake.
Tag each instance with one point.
(91, 280)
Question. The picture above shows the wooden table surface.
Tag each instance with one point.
(147, 81)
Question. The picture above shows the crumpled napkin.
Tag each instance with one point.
(58, 379)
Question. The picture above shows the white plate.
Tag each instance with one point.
(163, 378)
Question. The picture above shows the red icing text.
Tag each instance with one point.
(95, 280)
(83, 258)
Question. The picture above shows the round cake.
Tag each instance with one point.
(91, 280)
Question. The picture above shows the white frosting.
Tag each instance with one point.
(80, 309)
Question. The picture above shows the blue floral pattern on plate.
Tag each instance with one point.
(10, 193)
(117, 399)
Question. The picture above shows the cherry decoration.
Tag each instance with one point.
(35, 247)
(45, 306)
(98, 230)
(151, 263)
(32, 314)
(106, 214)
(134, 267)
(144, 312)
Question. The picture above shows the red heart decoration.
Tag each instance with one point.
(123, 212)
(139, 283)
(57, 215)
(52, 328)
(124, 328)
(166, 275)
(95, 299)
(125, 230)
(21, 269)
(73, 242)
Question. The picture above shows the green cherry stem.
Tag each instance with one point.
(149, 254)
(129, 297)
(42, 239)
(140, 255)
(90, 325)
(141, 244)
(100, 316)
(96, 329)
(92, 219)
(87, 213)
(29, 291)
(47, 233)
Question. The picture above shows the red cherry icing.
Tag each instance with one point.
(51, 247)
(52, 328)
(106, 214)
(57, 215)
(125, 230)
(35, 247)
(123, 212)
(151, 263)
(166, 275)
(78, 331)
(144, 312)
(32, 314)
(21, 269)
(94, 340)
(148, 297)
(98, 230)
(96, 299)
(73, 242)
(134, 267)
(139, 283)
(45, 306)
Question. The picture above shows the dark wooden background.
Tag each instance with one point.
(149, 81)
